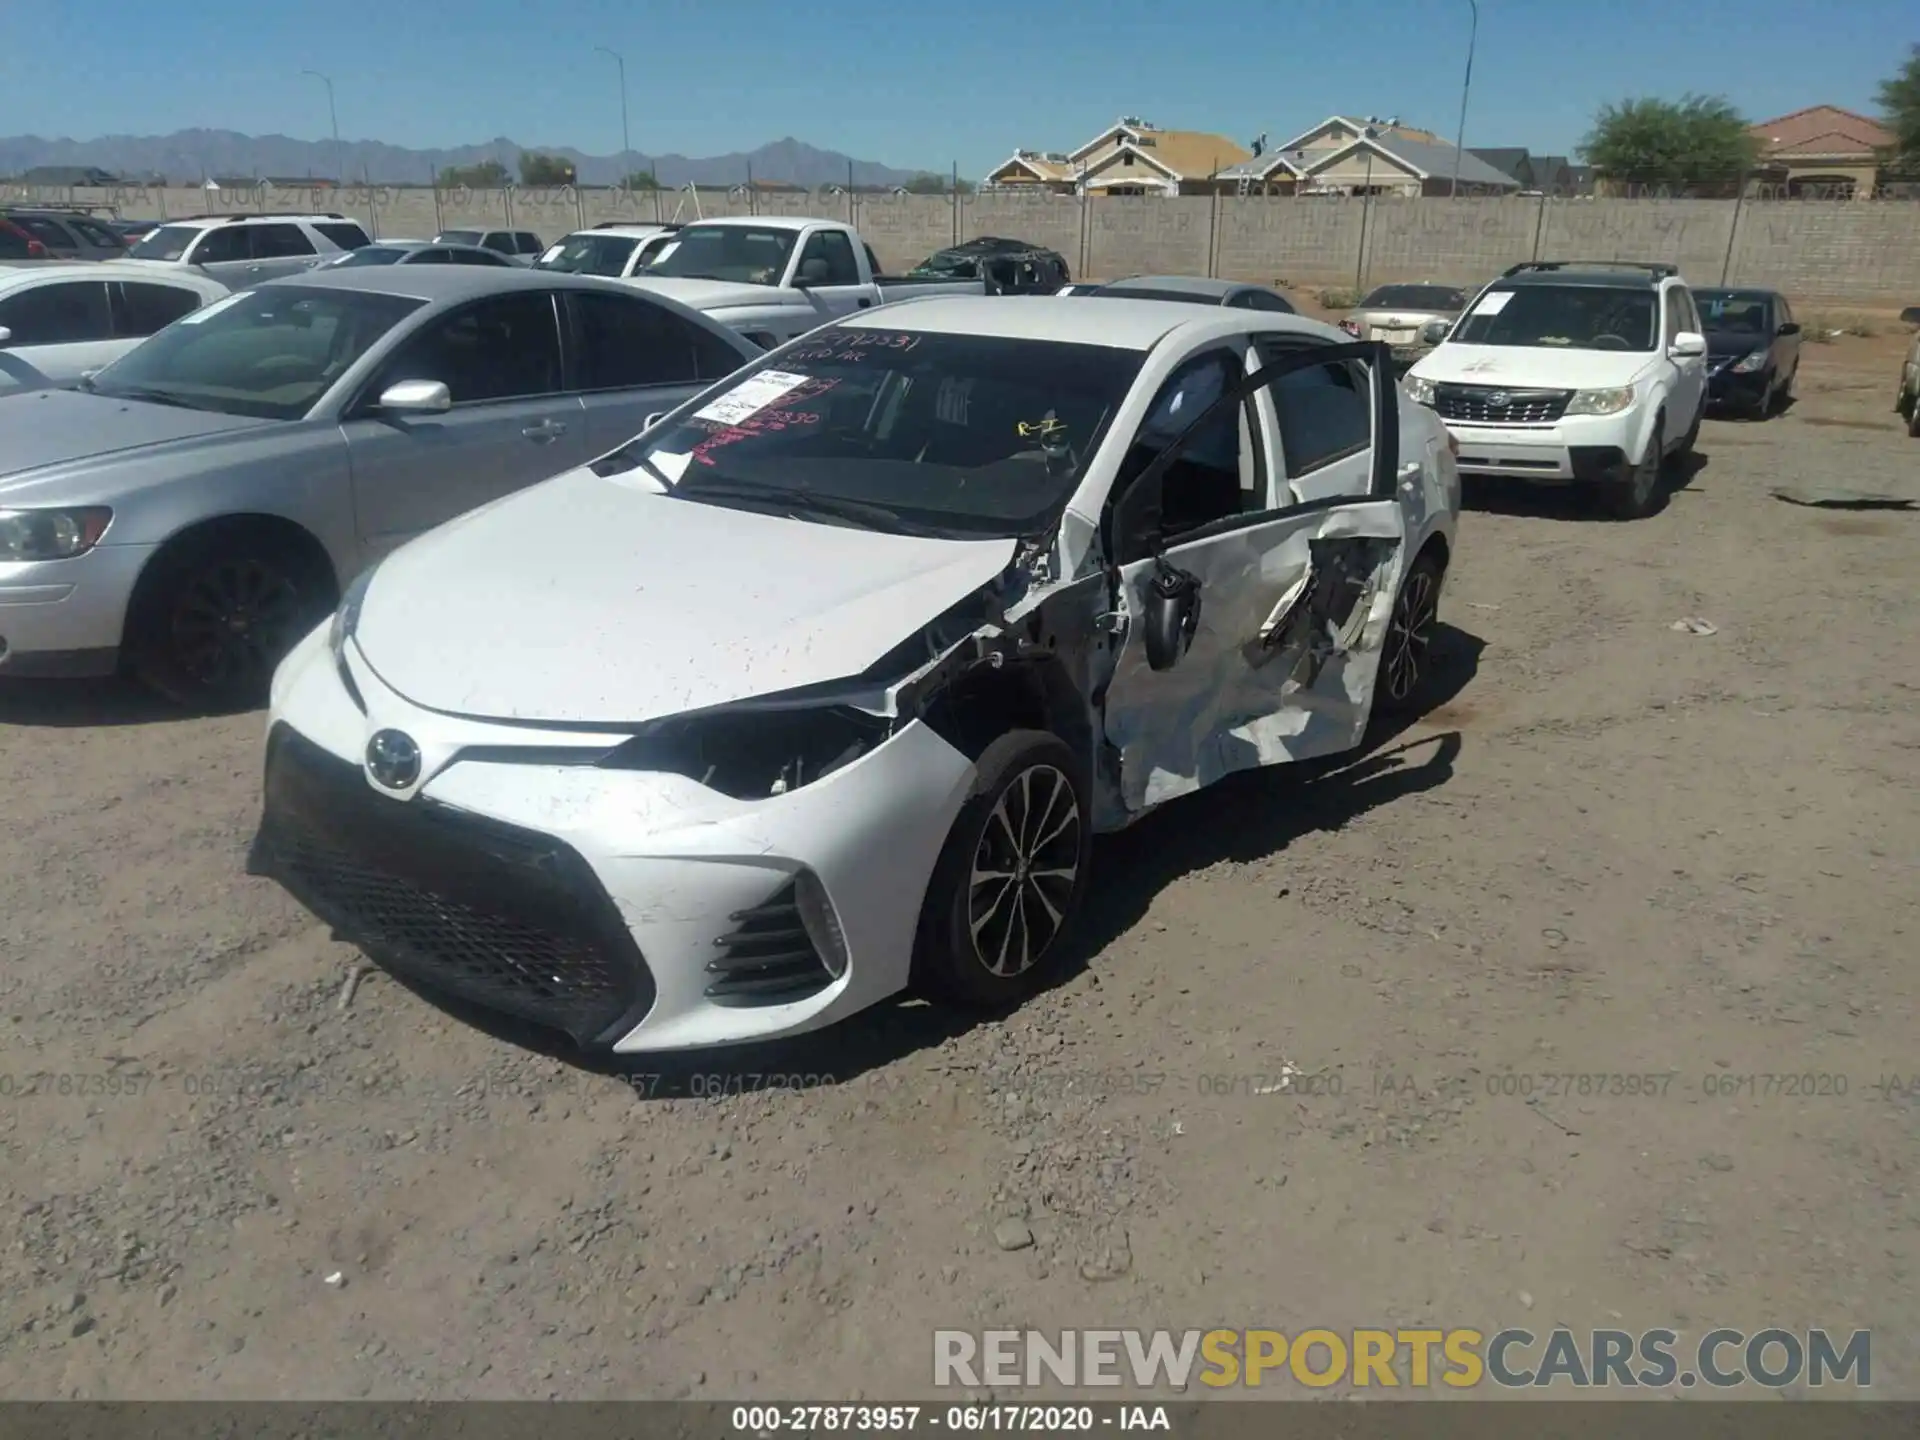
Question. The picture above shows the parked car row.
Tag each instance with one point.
(903, 611)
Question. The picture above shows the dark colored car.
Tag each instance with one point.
(1753, 349)
(1009, 267)
(68, 235)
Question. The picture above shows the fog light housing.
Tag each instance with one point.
(822, 925)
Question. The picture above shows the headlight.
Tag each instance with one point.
(1747, 364)
(51, 534)
(1419, 389)
(754, 754)
(1600, 402)
(346, 619)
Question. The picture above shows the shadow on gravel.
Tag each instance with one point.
(74, 704)
(1245, 817)
(1562, 502)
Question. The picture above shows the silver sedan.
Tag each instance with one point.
(197, 506)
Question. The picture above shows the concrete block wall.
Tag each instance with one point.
(1830, 252)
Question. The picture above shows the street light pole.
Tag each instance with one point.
(1460, 140)
(333, 117)
(626, 145)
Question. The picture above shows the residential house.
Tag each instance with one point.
(1537, 174)
(1343, 155)
(1129, 157)
(1822, 150)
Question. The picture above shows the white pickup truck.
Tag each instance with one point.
(771, 278)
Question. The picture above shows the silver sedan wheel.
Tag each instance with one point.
(1410, 634)
(1025, 869)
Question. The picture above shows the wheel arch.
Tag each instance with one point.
(986, 701)
(277, 529)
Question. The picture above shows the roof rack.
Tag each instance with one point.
(1658, 271)
(622, 224)
(231, 215)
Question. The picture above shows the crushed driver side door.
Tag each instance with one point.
(1252, 638)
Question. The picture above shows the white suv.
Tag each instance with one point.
(1573, 372)
(243, 249)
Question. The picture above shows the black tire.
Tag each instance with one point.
(1913, 420)
(973, 938)
(1406, 656)
(1782, 397)
(1638, 496)
(216, 612)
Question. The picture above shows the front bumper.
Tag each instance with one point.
(64, 618)
(628, 911)
(1574, 450)
(1727, 387)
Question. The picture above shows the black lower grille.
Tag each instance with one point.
(502, 917)
(1492, 405)
(767, 959)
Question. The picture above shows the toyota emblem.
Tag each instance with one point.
(393, 759)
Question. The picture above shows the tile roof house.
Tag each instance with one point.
(1129, 157)
(1347, 156)
(1822, 150)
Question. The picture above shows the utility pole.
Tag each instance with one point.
(333, 116)
(1460, 139)
(626, 145)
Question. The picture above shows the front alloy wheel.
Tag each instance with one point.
(233, 621)
(1407, 657)
(1011, 876)
(1025, 870)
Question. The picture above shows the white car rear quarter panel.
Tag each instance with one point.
(678, 859)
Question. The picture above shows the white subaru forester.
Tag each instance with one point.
(1588, 373)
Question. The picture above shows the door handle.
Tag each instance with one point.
(864, 304)
(546, 430)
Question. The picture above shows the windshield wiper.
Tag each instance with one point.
(806, 502)
(151, 397)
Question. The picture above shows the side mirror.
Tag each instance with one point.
(812, 272)
(1792, 327)
(6, 337)
(1173, 614)
(1687, 345)
(417, 397)
(1435, 331)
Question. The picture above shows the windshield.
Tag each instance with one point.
(370, 255)
(1415, 297)
(964, 436)
(1571, 317)
(268, 353)
(458, 237)
(1736, 312)
(169, 242)
(957, 267)
(590, 254)
(749, 254)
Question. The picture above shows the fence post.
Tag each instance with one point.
(1213, 230)
(1733, 230)
(439, 220)
(1539, 225)
(506, 202)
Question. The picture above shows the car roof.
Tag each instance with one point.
(432, 283)
(1117, 325)
(642, 229)
(766, 222)
(1622, 279)
(1181, 284)
(101, 269)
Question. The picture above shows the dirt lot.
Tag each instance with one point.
(1614, 849)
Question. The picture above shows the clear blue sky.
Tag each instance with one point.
(919, 85)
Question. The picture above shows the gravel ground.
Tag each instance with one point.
(1615, 848)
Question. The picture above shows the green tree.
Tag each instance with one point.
(487, 175)
(536, 169)
(1900, 105)
(1696, 140)
(641, 180)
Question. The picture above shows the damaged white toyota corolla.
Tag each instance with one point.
(820, 689)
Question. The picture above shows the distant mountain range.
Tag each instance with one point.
(189, 156)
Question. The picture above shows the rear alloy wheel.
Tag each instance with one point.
(1635, 497)
(1010, 879)
(215, 620)
(1406, 659)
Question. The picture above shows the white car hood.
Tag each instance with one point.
(1533, 366)
(714, 294)
(589, 601)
